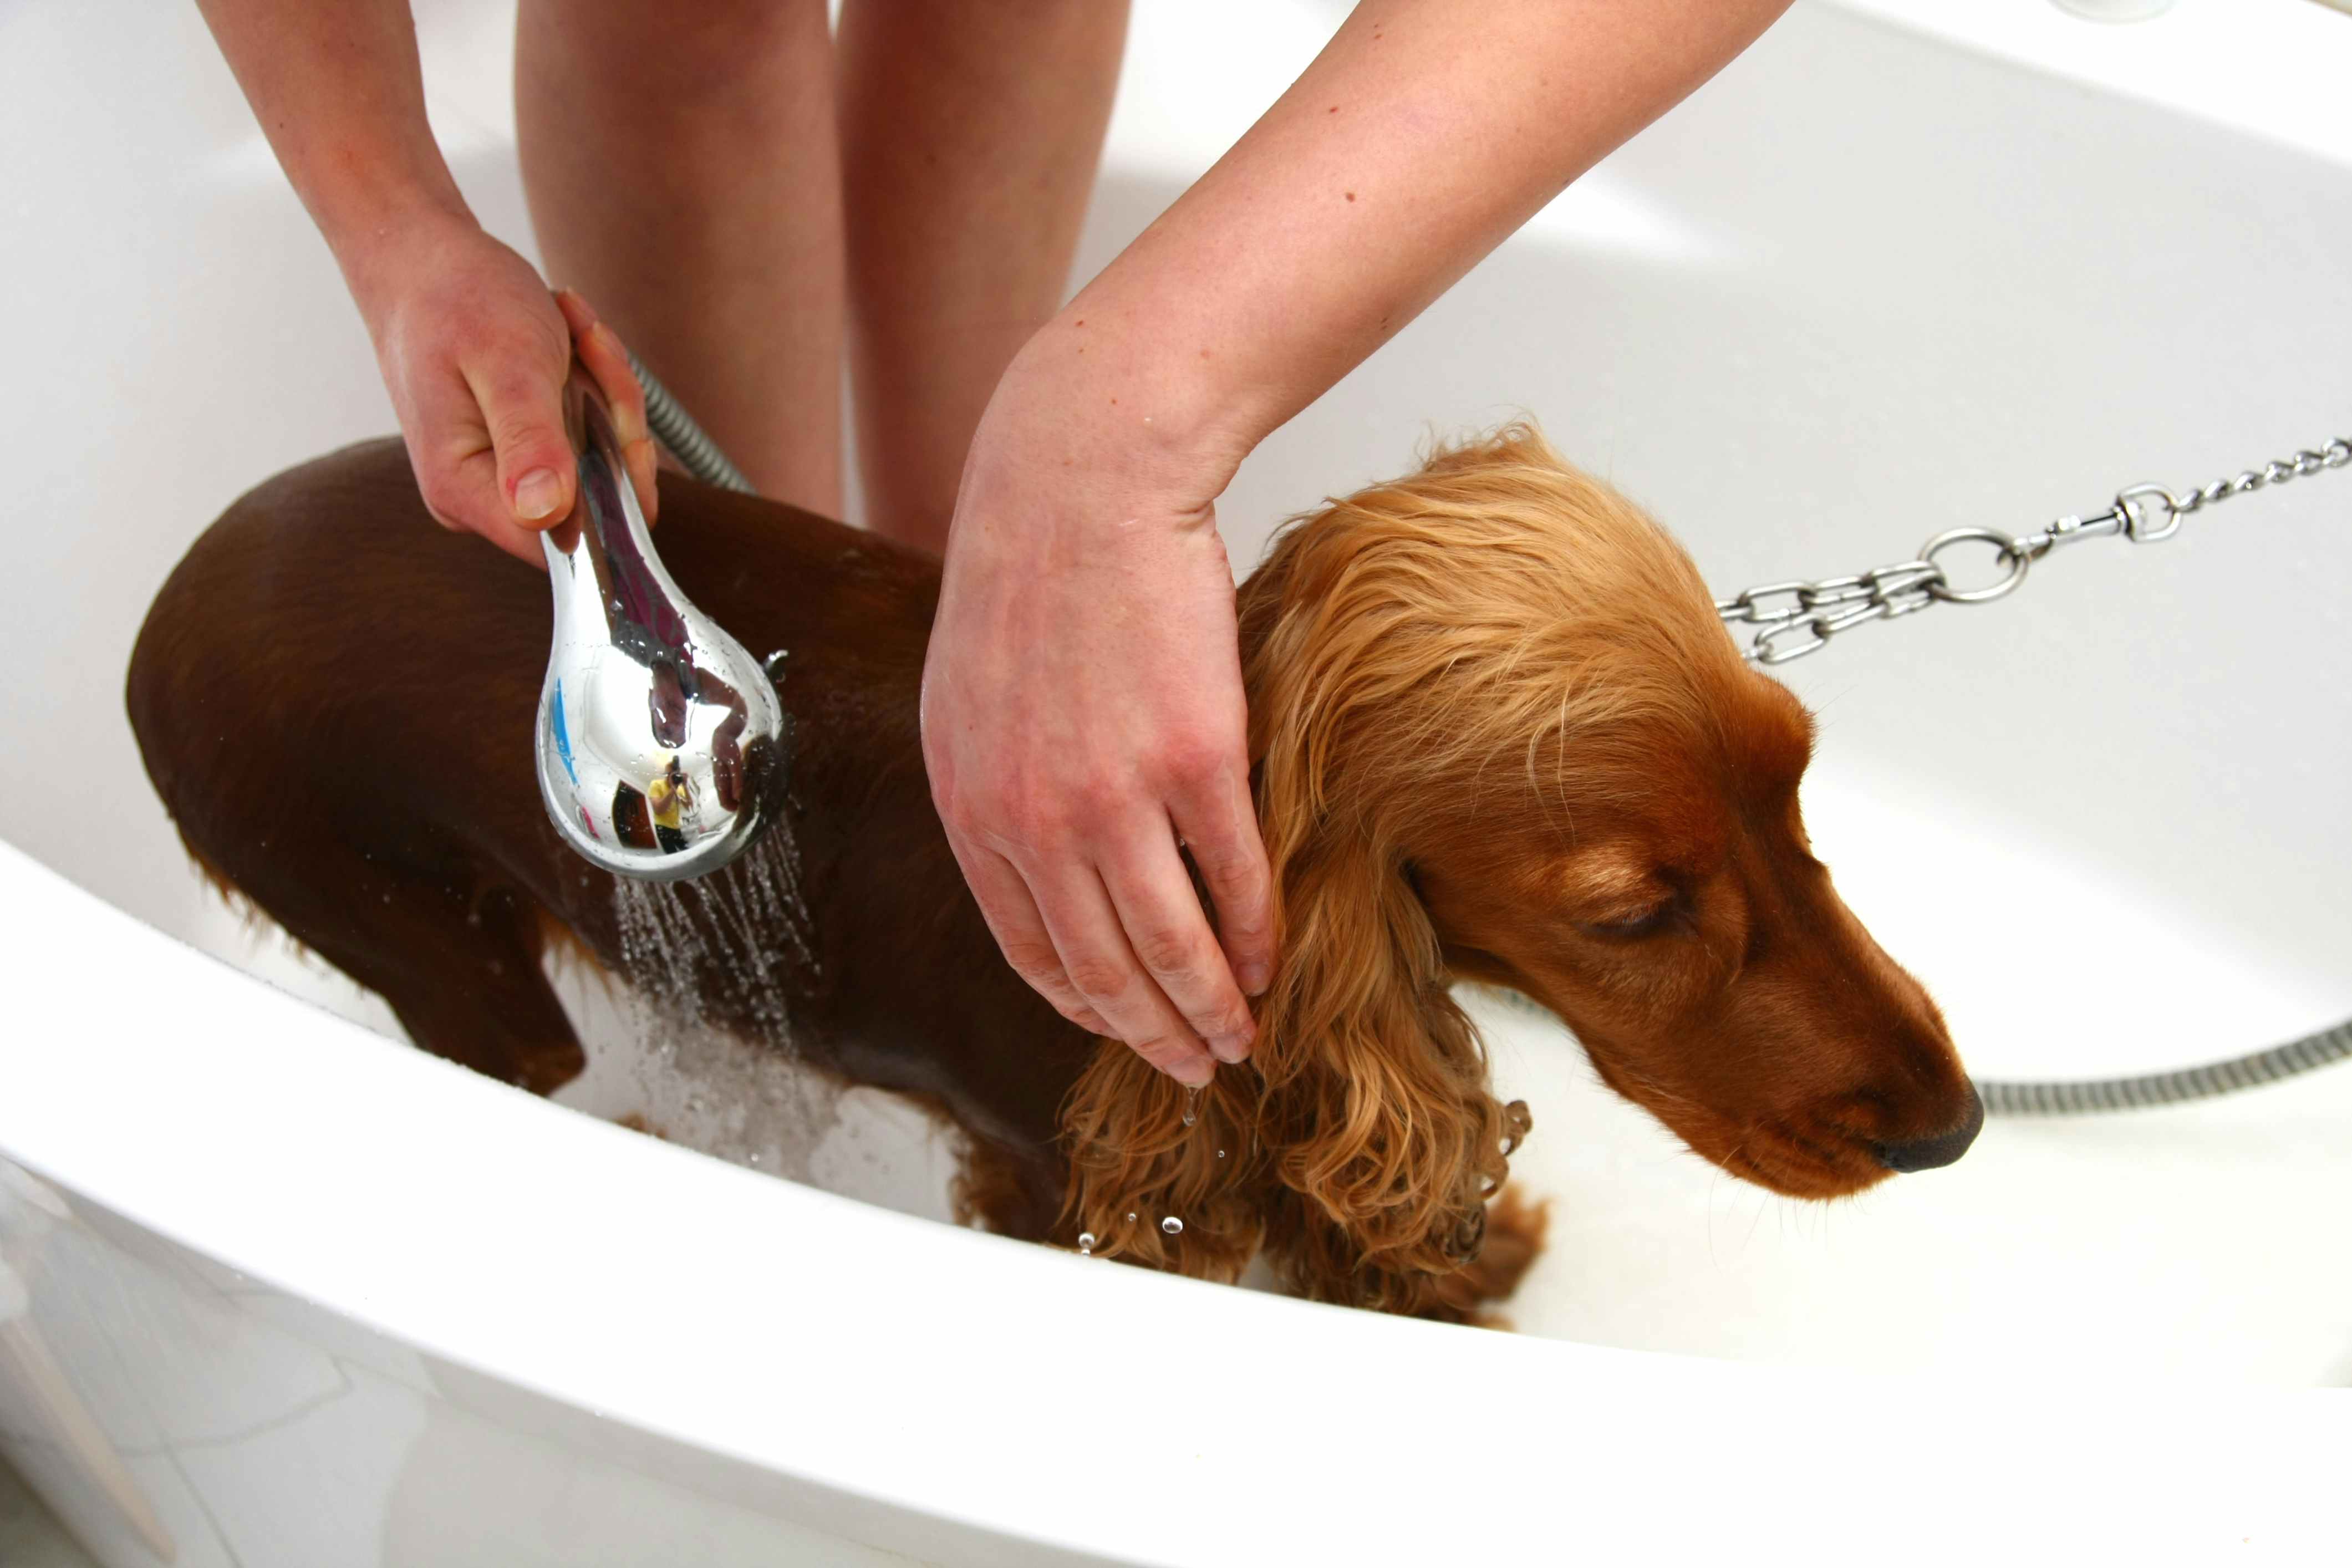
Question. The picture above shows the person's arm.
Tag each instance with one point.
(1083, 703)
(473, 349)
(1423, 136)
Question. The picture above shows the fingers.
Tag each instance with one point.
(1099, 964)
(1060, 932)
(599, 348)
(1020, 932)
(1219, 823)
(1168, 932)
(456, 470)
(523, 411)
(1093, 906)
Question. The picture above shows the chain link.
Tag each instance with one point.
(1797, 618)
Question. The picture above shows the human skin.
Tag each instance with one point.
(971, 135)
(658, 145)
(1082, 703)
(473, 349)
(914, 190)
(682, 172)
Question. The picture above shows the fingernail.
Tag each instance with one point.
(1253, 978)
(537, 493)
(1229, 1048)
(610, 339)
(1194, 1072)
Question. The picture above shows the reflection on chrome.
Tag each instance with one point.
(663, 752)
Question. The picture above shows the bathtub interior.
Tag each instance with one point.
(1864, 286)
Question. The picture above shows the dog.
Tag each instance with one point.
(1498, 734)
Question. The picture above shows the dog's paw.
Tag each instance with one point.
(1515, 1239)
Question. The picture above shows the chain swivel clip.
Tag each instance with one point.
(1807, 615)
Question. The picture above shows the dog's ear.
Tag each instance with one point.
(1379, 1133)
(1358, 1144)
(1135, 1165)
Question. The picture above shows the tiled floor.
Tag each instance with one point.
(29, 1536)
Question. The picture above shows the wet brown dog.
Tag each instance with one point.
(1497, 733)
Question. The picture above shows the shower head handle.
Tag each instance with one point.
(663, 752)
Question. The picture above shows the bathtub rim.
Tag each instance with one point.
(201, 1035)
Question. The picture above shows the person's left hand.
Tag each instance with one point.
(1083, 717)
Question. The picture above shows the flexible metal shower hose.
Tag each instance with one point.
(2083, 1096)
(689, 443)
(2296, 1057)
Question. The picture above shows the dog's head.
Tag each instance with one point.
(1504, 735)
(1499, 733)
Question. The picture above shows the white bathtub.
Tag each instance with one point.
(276, 1289)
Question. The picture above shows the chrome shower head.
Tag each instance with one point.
(663, 752)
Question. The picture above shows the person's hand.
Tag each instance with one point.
(475, 352)
(1083, 723)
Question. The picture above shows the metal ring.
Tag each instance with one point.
(2007, 550)
(2139, 532)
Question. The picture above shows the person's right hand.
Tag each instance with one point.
(475, 352)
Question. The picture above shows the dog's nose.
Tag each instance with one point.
(1926, 1154)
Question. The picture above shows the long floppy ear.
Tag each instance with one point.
(1381, 1135)
(1137, 1163)
(1360, 1143)
(1383, 1140)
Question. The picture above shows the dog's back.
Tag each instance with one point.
(334, 699)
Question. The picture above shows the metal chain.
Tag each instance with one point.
(1799, 617)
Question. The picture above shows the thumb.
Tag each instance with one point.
(523, 411)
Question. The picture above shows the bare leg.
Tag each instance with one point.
(685, 175)
(970, 136)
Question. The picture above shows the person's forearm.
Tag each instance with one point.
(338, 91)
(1424, 135)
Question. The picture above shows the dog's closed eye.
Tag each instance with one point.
(1648, 922)
(1621, 897)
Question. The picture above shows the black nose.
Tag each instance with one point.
(1926, 1154)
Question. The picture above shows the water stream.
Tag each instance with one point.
(711, 965)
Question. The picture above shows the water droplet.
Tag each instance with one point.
(1220, 1153)
(1173, 1226)
(1192, 1105)
(1130, 1216)
(1085, 1244)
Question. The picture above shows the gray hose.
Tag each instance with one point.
(2330, 1045)
(689, 443)
(2085, 1095)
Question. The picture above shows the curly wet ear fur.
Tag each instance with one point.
(1361, 1139)
(1359, 1143)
